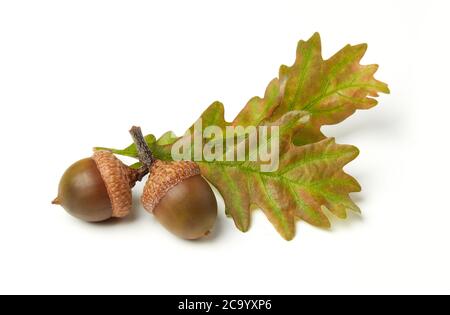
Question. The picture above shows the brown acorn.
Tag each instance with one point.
(176, 194)
(98, 188)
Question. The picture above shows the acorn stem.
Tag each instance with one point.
(145, 155)
(141, 173)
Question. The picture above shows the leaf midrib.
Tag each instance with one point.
(273, 175)
(314, 102)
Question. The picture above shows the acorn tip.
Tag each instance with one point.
(56, 201)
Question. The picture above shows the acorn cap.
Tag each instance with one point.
(118, 179)
(163, 177)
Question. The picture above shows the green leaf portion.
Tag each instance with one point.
(330, 90)
(259, 109)
(167, 138)
(131, 150)
(160, 148)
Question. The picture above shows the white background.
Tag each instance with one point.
(75, 74)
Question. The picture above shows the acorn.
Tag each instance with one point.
(98, 188)
(176, 194)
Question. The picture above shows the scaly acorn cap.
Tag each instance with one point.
(119, 179)
(164, 176)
